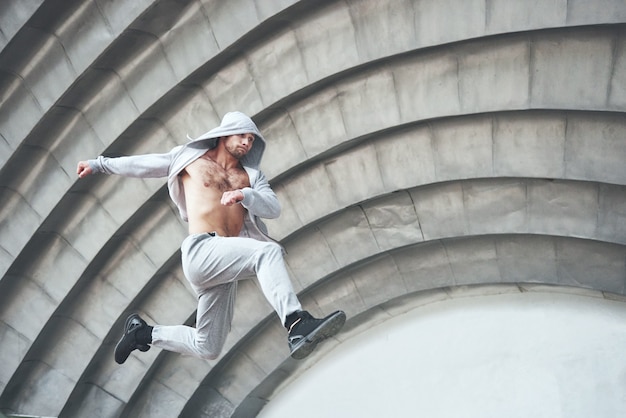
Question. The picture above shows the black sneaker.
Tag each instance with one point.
(128, 342)
(307, 332)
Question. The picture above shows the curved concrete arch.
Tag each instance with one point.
(295, 255)
(14, 15)
(95, 84)
(454, 141)
(172, 10)
(53, 40)
(400, 91)
(130, 73)
(298, 212)
(268, 389)
(355, 128)
(611, 281)
(487, 260)
(447, 210)
(507, 145)
(521, 191)
(439, 194)
(85, 309)
(126, 110)
(397, 121)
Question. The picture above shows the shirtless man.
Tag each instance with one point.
(220, 191)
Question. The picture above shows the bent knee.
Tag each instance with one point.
(273, 248)
(206, 350)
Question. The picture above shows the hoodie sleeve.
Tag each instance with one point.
(260, 200)
(141, 166)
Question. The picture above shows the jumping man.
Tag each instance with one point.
(219, 190)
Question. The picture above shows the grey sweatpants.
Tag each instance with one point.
(213, 265)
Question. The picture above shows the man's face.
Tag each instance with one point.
(239, 145)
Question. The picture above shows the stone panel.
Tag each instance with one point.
(19, 112)
(461, 20)
(230, 20)
(511, 15)
(285, 147)
(319, 124)
(463, 149)
(383, 27)
(406, 158)
(617, 94)
(526, 259)
(567, 209)
(310, 257)
(369, 103)
(579, 11)
(233, 88)
(596, 149)
(440, 210)
(530, 143)
(555, 85)
(277, 67)
(378, 282)
(495, 208)
(494, 76)
(327, 41)
(309, 194)
(393, 221)
(355, 175)
(349, 236)
(424, 266)
(14, 14)
(612, 216)
(428, 87)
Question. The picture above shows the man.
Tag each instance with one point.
(219, 190)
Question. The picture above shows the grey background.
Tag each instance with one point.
(416, 145)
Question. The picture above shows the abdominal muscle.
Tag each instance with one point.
(204, 183)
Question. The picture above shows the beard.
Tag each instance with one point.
(236, 151)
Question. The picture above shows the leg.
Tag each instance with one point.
(213, 319)
(218, 260)
(237, 258)
(213, 265)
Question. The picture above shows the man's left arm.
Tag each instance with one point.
(260, 199)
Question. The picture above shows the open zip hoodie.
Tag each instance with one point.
(259, 199)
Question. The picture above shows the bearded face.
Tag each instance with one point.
(238, 145)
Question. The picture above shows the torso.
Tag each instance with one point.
(204, 182)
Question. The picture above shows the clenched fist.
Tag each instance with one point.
(83, 169)
(231, 197)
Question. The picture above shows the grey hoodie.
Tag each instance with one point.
(259, 199)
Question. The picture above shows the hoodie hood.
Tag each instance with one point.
(234, 123)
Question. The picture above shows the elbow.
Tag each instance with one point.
(276, 210)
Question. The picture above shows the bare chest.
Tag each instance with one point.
(212, 175)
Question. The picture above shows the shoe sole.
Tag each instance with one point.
(330, 327)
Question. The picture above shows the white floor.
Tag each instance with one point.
(511, 355)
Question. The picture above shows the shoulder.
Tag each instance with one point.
(252, 172)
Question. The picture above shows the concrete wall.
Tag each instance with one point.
(514, 354)
(415, 146)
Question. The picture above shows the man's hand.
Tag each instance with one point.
(231, 197)
(83, 169)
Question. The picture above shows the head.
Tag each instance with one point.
(238, 145)
(237, 124)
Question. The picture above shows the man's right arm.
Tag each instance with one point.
(141, 166)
